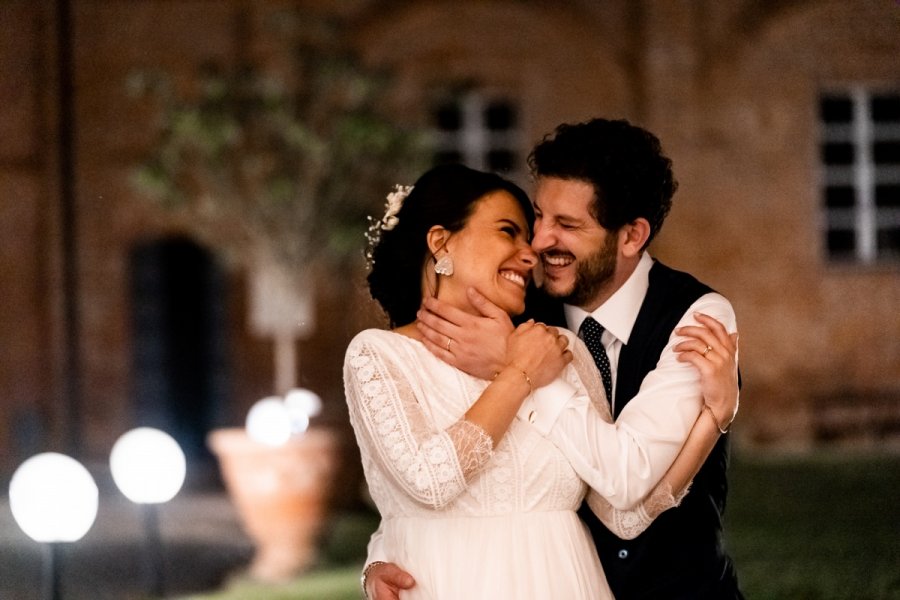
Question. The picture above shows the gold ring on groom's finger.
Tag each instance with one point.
(449, 341)
(705, 352)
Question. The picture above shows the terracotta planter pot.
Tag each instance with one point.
(281, 495)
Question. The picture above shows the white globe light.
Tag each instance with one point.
(305, 401)
(147, 465)
(298, 419)
(268, 422)
(53, 498)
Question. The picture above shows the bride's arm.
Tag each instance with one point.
(719, 384)
(668, 493)
(714, 353)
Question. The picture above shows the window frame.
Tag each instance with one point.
(864, 218)
(474, 140)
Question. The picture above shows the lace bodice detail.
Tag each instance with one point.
(420, 455)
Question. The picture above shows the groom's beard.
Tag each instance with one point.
(591, 274)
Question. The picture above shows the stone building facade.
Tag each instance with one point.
(744, 95)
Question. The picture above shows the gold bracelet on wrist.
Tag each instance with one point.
(527, 378)
(722, 430)
(365, 575)
(524, 374)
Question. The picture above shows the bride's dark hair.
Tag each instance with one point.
(445, 195)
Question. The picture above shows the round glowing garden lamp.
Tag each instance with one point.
(269, 422)
(54, 500)
(302, 405)
(149, 468)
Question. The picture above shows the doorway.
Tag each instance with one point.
(180, 368)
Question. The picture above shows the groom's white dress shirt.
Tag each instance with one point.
(624, 460)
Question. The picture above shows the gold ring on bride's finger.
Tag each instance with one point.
(705, 352)
(449, 341)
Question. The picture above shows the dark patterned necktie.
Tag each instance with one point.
(592, 333)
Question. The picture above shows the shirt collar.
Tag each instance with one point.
(619, 313)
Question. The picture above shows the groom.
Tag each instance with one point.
(603, 191)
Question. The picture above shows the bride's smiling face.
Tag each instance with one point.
(492, 253)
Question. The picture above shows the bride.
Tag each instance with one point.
(475, 500)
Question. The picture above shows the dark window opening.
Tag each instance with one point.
(836, 110)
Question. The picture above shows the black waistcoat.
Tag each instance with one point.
(680, 556)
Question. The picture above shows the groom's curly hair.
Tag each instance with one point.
(631, 176)
(446, 195)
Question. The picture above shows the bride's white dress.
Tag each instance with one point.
(468, 521)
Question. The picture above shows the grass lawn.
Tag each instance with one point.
(822, 528)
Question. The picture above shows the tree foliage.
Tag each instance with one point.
(291, 162)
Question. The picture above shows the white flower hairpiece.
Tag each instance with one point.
(389, 220)
(394, 204)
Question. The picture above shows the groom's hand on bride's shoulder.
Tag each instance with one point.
(475, 344)
(385, 580)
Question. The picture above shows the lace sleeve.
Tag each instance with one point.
(432, 466)
(473, 446)
(628, 524)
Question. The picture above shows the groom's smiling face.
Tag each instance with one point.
(577, 254)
